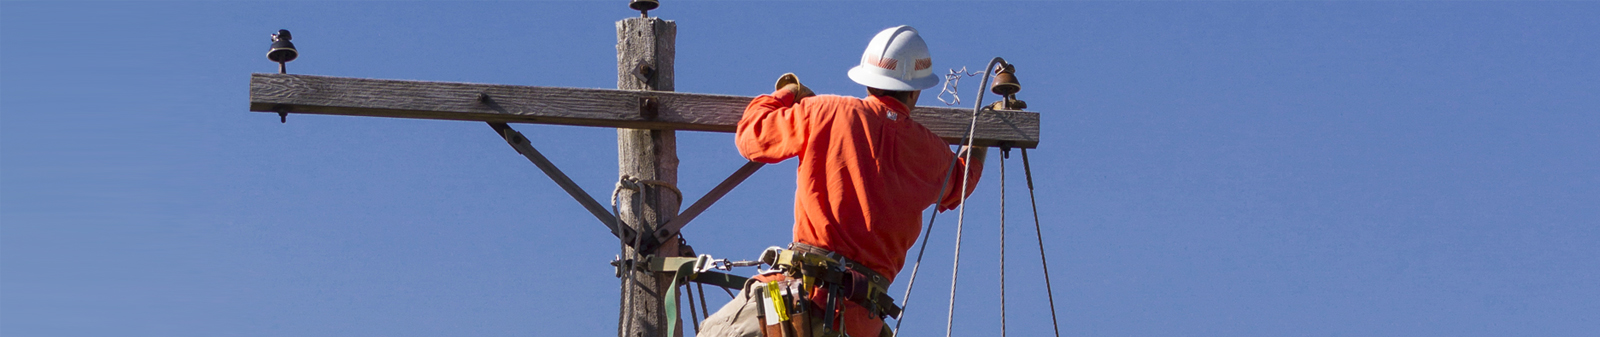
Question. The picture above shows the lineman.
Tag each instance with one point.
(867, 171)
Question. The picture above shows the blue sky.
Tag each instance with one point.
(1207, 168)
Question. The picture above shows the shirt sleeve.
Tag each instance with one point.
(773, 128)
(951, 197)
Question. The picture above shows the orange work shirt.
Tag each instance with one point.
(867, 170)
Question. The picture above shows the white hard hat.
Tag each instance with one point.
(896, 59)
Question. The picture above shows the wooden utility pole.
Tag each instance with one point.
(644, 62)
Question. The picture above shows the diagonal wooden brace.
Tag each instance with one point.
(676, 224)
(520, 143)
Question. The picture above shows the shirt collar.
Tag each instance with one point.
(893, 104)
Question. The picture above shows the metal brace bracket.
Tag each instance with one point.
(520, 143)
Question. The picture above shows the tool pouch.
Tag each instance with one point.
(800, 318)
(784, 310)
(772, 315)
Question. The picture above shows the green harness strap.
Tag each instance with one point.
(685, 272)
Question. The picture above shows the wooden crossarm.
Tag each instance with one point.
(575, 106)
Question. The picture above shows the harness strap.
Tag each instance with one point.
(682, 274)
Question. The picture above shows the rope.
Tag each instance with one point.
(906, 303)
(623, 266)
(961, 217)
(667, 185)
(1028, 170)
(625, 317)
(966, 176)
(944, 183)
(1005, 153)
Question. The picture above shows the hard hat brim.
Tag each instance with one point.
(868, 78)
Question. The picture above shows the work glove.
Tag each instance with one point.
(791, 83)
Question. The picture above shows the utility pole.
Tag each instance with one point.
(644, 62)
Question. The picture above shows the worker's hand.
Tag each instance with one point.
(791, 83)
(786, 80)
(799, 91)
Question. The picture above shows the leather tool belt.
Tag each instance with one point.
(845, 278)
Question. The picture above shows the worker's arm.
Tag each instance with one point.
(953, 192)
(773, 127)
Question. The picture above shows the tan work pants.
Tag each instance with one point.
(738, 317)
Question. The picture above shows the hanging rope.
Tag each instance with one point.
(966, 177)
(944, 183)
(627, 261)
(928, 232)
(1028, 171)
(961, 216)
(1005, 153)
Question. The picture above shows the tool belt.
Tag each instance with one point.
(807, 268)
(854, 282)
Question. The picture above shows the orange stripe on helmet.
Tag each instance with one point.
(885, 63)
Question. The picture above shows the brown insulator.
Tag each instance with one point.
(1005, 83)
(643, 6)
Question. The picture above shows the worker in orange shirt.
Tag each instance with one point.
(867, 171)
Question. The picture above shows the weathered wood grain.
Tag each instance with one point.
(646, 154)
(574, 106)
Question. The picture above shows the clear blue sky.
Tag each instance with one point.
(1207, 169)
